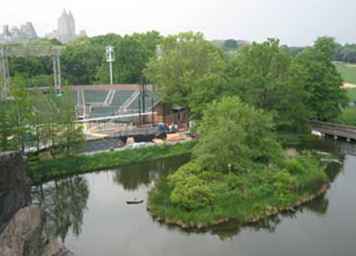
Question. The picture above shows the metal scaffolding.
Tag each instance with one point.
(9, 51)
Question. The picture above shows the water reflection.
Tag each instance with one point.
(100, 222)
(65, 202)
(133, 176)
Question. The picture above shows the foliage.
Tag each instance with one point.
(190, 191)
(80, 60)
(33, 119)
(19, 113)
(189, 72)
(83, 60)
(252, 195)
(243, 136)
(41, 170)
(314, 70)
(259, 74)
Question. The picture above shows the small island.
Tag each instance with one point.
(239, 171)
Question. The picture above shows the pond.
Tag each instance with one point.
(89, 213)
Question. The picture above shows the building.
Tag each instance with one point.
(18, 34)
(66, 28)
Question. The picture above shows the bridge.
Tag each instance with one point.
(336, 130)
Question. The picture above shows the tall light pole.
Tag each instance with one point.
(110, 58)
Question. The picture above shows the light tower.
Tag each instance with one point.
(110, 58)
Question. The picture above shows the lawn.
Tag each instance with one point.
(351, 93)
(347, 71)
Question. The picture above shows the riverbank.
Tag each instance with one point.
(45, 170)
(248, 198)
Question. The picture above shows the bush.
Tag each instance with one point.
(235, 136)
(192, 193)
(190, 187)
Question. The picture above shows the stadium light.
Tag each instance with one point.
(110, 58)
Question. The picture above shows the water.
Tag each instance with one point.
(90, 215)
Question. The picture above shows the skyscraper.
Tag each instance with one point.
(66, 27)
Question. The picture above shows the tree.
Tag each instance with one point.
(71, 135)
(6, 125)
(259, 74)
(234, 135)
(20, 113)
(188, 72)
(317, 75)
(81, 59)
(231, 44)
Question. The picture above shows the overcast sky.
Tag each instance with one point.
(295, 22)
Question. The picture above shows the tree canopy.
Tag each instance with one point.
(189, 70)
(313, 70)
(234, 135)
(83, 60)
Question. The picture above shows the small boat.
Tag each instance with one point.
(134, 202)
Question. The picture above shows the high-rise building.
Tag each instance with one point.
(66, 30)
(16, 35)
(66, 27)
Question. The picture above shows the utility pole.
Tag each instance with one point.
(110, 58)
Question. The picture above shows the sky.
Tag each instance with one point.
(294, 22)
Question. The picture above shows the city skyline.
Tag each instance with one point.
(298, 23)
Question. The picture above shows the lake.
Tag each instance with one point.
(89, 213)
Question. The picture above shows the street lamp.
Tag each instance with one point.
(110, 58)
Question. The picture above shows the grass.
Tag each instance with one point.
(347, 71)
(44, 170)
(351, 94)
(348, 116)
(244, 197)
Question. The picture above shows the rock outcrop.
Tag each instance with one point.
(23, 227)
(15, 187)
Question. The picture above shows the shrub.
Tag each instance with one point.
(192, 193)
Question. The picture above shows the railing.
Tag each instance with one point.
(339, 130)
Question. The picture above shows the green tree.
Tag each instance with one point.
(188, 72)
(259, 74)
(6, 125)
(317, 75)
(71, 134)
(80, 61)
(235, 136)
(20, 113)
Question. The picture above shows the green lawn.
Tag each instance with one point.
(347, 71)
(351, 93)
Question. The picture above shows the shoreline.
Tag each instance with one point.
(46, 170)
(307, 198)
